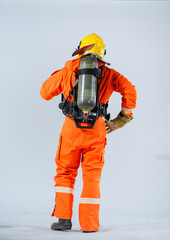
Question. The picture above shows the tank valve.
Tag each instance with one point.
(85, 114)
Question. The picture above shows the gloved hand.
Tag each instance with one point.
(118, 122)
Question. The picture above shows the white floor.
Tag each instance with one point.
(37, 227)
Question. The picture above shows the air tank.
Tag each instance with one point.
(87, 84)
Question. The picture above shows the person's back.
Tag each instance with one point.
(79, 144)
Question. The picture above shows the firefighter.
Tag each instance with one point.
(82, 142)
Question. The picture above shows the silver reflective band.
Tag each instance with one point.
(90, 200)
(64, 190)
(127, 110)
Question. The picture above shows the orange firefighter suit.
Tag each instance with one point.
(83, 146)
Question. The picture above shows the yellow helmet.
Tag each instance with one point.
(93, 44)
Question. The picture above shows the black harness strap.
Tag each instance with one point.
(95, 71)
(70, 109)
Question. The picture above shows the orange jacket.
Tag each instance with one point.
(63, 81)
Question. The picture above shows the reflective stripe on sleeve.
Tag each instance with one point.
(90, 200)
(127, 110)
(64, 190)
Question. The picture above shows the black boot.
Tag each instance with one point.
(62, 224)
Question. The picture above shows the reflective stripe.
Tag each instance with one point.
(127, 110)
(64, 190)
(90, 200)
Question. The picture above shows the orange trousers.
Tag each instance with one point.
(85, 146)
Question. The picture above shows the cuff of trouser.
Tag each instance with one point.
(63, 205)
(89, 217)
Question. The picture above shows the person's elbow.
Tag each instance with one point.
(44, 94)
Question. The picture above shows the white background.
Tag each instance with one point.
(37, 38)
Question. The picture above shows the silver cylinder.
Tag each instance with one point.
(87, 84)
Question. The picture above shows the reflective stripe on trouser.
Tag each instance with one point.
(75, 146)
(89, 214)
(89, 204)
(64, 202)
(67, 162)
